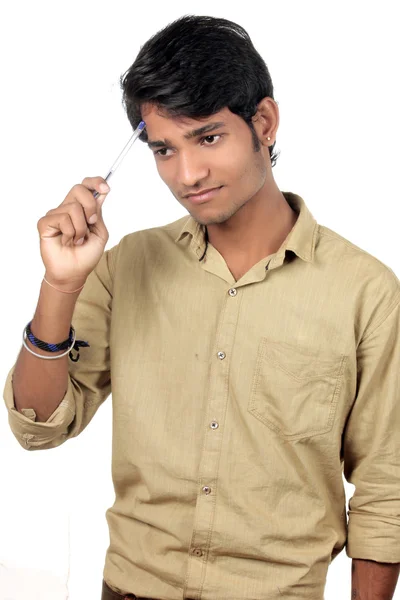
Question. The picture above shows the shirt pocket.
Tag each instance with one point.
(294, 392)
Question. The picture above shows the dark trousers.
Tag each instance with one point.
(109, 594)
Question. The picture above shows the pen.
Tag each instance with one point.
(124, 152)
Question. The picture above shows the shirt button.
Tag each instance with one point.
(197, 552)
(214, 425)
(206, 489)
(232, 292)
(221, 355)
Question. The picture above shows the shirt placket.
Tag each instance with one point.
(213, 431)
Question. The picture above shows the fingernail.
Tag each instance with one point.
(104, 187)
(92, 219)
(80, 242)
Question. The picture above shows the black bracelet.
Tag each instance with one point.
(56, 347)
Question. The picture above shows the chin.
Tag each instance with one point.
(211, 220)
(216, 217)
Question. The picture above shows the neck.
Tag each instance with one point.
(257, 230)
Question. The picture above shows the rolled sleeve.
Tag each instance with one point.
(88, 379)
(371, 446)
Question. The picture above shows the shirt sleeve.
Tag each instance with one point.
(371, 446)
(88, 379)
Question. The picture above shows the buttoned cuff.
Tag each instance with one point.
(36, 435)
(373, 537)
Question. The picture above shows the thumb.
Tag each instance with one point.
(100, 200)
(99, 228)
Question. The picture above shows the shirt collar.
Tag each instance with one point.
(301, 239)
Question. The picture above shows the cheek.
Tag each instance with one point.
(164, 173)
(244, 169)
(227, 166)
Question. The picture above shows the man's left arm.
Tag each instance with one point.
(371, 580)
(371, 451)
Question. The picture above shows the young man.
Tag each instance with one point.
(251, 352)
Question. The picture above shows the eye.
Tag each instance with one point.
(211, 139)
(161, 151)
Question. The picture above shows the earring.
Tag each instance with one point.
(268, 138)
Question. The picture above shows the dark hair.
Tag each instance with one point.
(195, 67)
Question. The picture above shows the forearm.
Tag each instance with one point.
(373, 580)
(37, 383)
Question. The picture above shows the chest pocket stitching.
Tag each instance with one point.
(332, 373)
(335, 373)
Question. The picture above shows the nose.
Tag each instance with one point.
(191, 169)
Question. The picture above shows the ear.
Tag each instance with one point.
(266, 121)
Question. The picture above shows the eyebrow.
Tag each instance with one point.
(189, 135)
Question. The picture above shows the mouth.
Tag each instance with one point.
(205, 196)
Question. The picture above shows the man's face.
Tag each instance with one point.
(220, 156)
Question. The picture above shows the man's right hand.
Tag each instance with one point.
(73, 235)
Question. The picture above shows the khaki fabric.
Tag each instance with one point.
(236, 407)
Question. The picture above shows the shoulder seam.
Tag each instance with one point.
(391, 309)
(355, 248)
(343, 239)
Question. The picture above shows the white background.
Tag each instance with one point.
(335, 69)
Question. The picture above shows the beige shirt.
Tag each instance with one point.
(236, 405)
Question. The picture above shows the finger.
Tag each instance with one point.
(99, 229)
(100, 188)
(77, 215)
(79, 221)
(96, 184)
(55, 225)
(79, 194)
(82, 194)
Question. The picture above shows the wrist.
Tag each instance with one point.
(68, 286)
(54, 306)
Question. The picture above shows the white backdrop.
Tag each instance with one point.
(335, 68)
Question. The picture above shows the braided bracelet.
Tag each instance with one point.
(70, 344)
